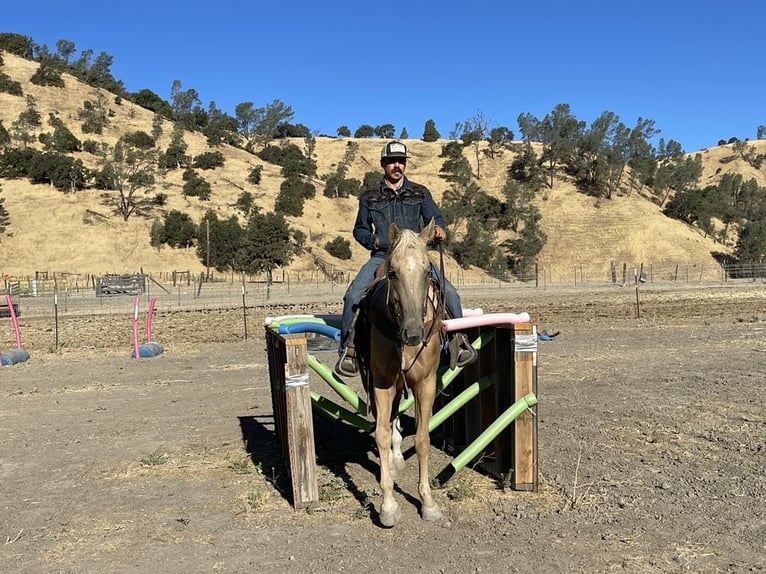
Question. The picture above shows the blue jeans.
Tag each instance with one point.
(365, 276)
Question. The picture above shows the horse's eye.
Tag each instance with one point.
(391, 274)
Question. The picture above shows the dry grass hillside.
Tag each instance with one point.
(76, 233)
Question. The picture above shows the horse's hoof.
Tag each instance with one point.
(389, 519)
(432, 513)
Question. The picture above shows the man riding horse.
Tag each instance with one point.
(408, 205)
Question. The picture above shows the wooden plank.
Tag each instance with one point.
(300, 425)
(525, 427)
(504, 391)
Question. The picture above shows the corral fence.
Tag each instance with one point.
(113, 293)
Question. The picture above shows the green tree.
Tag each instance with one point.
(138, 139)
(266, 244)
(498, 138)
(219, 242)
(62, 140)
(183, 104)
(558, 131)
(5, 136)
(130, 172)
(155, 233)
(209, 160)
(343, 132)
(523, 250)
(94, 114)
(430, 133)
(64, 50)
(336, 183)
(178, 229)
(221, 128)
(292, 195)
(339, 247)
(255, 174)
(751, 245)
(477, 247)
(175, 156)
(151, 101)
(259, 125)
(5, 218)
(156, 126)
(195, 185)
(384, 131)
(48, 73)
(245, 203)
(676, 173)
(61, 171)
(17, 44)
(10, 86)
(338, 186)
(288, 130)
(364, 131)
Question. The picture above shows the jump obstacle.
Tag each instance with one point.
(17, 355)
(486, 410)
(149, 348)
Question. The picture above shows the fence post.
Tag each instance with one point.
(524, 430)
(293, 423)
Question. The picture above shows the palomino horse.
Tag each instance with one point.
(398, 341)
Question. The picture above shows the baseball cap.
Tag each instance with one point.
(393, 149)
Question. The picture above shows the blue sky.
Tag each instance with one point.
(694, 67)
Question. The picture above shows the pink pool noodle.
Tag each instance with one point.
(485, 320)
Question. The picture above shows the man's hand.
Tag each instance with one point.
(439, 234)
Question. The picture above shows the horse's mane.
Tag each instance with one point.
(408, 239)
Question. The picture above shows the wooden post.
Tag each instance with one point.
(294, 426)
(524, 475)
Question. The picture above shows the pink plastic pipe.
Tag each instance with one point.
(485, 320)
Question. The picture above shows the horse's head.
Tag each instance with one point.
(408, 270)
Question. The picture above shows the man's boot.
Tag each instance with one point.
(347, 365)
(461, 352)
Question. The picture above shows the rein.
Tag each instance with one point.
(395, 316)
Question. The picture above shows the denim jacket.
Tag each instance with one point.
(411, 208)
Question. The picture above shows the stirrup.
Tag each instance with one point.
(346, 365)
(462, 352)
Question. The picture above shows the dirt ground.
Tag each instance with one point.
(652, 444)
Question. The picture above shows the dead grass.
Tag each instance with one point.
(56, 232)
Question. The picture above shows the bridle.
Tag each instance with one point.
(432, 302)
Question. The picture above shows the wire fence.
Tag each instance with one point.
(178, 290)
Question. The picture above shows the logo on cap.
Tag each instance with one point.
(393, 149)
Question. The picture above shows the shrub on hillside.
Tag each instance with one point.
(138, 139)
(339, 247)
(208, 160)
(9, 86)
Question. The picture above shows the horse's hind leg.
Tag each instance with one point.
(389, 508)
(397, 458)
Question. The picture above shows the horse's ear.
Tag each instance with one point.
(427, 233)
(393, 233)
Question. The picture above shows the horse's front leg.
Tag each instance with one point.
(397, 458)
(389, 508)
(424, 395)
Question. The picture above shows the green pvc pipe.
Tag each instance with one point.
(446, 376)
(451, 407)
(474, 449)
(327, 406)
(345, 392)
